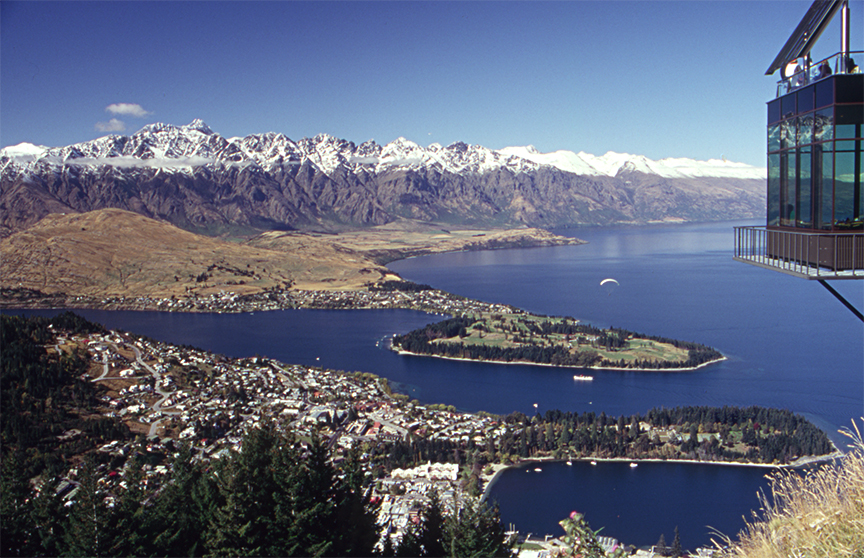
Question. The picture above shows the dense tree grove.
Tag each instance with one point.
(472, 530)
(277, 496)
(42, 395)
(753, 434)
(421, 341)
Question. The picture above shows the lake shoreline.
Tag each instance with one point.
(498, 469)
(529, 363)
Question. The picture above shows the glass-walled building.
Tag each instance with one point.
(815, 171)
(815, 205)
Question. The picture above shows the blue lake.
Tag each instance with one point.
(789, 344)
(633, 504)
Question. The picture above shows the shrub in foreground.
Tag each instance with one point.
(819, 513)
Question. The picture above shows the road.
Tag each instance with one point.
(164, 395)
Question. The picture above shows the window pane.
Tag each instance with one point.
(787, 133)
(787, 105)
(843, 131)
(805, 99)
(774, 189)
(824, 125)
(825, 93)
(859, 219)
(805, 129)
(844, 189)
(774, 111)
(804, 197)
(827, 187)
(774, 137)
(787, 194)
(850, 88)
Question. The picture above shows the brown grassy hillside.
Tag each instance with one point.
(112, 252)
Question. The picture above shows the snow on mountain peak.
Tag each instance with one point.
(168, 146)
(199, 126)
(155, 128)
(613, 163)
(23, 152)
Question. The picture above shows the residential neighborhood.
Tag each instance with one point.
(403, 295)
(167, 395)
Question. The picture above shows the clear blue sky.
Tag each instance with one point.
(660, 79)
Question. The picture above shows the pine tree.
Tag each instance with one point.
(309, 489)
(661, 547)
(431, 534)
(19, 533)
(409, 546)
(355, 510)
(182, 512)
(676, 544)
(243, 524)
(475, 529)
(387, 550)
(49, 518)
(125, 531)
(87, 530)
(426, 537)
(171, 515)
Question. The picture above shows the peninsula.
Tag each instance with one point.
(553, 341)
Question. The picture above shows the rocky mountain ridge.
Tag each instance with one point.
(201, 181)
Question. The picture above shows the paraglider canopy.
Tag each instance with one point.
(609, 284)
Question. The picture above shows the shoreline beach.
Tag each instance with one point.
(529, 363)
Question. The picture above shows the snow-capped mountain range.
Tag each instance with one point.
(168, 146)
(196, 178)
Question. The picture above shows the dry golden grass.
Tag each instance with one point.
(816, 514)
(111, 252)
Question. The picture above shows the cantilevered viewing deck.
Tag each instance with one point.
(809, 255)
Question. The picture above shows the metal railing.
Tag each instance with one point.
(811, 255)
(839, 63)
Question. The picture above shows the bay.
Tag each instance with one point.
(789, 345)
(635, 505)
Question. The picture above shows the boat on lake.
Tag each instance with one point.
(581, 378)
